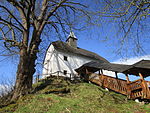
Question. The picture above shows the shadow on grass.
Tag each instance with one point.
(53, 84)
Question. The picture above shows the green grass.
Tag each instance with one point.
(79, 98)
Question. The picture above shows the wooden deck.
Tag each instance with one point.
(133, 90)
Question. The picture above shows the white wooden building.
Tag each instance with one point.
(62, 58)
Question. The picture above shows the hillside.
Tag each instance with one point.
(57, 95)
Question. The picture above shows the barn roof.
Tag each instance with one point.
(142, 67)
(95, 66)
(63, 46)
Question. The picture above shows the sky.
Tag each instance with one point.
(105, 49)
(101, 40)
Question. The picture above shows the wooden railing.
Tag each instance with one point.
(71, 76)
(94, 78)
(148, 88)
(139, 89)
(148, 84)
(111, 83)
(114, 84)
(136, 89)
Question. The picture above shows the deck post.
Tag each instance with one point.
(128, 87)
(87, 74)
(144, 86)
(101, 71)
(70, 76)
(127, 77)
(57, 74)
(116, 75)
(86, 71)
(141, 76)
(37, 77)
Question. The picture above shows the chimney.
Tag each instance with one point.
(72, 40)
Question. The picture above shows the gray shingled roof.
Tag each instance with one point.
(63, 46)
(142, 67)
(143, 64)
(103, 65)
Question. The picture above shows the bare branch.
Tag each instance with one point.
(4, 22)
(54, 9)
(76, 3)
(12, 15)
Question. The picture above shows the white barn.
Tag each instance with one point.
(62, 58)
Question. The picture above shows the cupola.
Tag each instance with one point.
(72, 40)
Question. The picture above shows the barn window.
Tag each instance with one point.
(65, 58)
(65, 72)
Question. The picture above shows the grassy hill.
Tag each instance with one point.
(57, 95)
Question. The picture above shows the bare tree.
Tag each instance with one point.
(131, 17)
(22, 22)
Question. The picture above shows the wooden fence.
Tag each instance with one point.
(71, 76)
(133, 90)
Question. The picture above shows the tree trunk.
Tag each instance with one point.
(26, 69)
